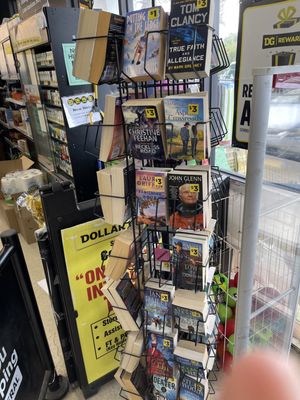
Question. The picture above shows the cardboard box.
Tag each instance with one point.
(21, 164)
(9, 214)
(27, 224)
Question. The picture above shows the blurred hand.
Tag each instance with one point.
(261, 375)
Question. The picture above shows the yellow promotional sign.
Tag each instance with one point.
(87, 248)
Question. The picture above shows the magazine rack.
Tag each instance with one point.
(146, 239)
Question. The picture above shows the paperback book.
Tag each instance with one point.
(191, 358)
(144, 45)
(146, 134)
(189, 262)
(159, 353)
(190, 39)
(151, 194)
(185, 118)
(158, 306)
(165, 388)
(187, 196)
(192, 389)
(112, 143)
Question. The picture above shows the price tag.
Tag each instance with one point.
(194, 188)
(201, 3)
(153, 13)
(164, 297)
(193, 109)
(167, 343)
(196, 314)
(158, 181)
(150, 113)
(194, 252)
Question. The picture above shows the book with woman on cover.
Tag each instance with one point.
(187, 118)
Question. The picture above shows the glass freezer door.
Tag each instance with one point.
(29, 78)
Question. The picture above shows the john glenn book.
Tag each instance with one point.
(190, 39)
(144, 44)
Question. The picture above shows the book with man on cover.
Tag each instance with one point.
(189, 261)
(151, 194)
(158, 305)
(144, 49)
(187, 126)
(190, 39)
(146, 133)
(187, 197)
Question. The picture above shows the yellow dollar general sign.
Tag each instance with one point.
(86, 249)
(158, 181)
(193, 109)
(201, 3)
(194, 187)
(164, 297)
(167, 343)
(153, 13)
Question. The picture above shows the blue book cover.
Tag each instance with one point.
(165, 388)
(190, 389)
(189, 321)
(186, 131)
(159, 354)
(188, 272)
(190, 367)
(158, 306)
(143, 53)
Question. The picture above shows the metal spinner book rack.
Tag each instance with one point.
(147, 238)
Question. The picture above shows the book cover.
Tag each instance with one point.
(185, 197)
(184, 128)
(158, 307)
(151, 197)
(191, 389)
(130, 296)
(190, 367)
(145, 135)
(188, 320)
(143, 50)
(190, 39)
(112, 144)
(188, 272)
(165, 388)
(159, 354)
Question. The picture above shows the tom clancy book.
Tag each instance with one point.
(158, 306)
(187, 199)
(151, 195)
(187, 126)
(159, 353)
(193, 389)
(190, 39)
(145, 131)
(144, 49)
(189, 261)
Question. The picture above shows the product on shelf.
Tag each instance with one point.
(44, 59)
(21, 181)
(144, 49)
(112, 143)
(192, 358)
(190, 39)
(187, 125)
(55, 115)
(96, 58)
(134, 384)
(158, 306)
(151, 194)
(145, 129)
(133, 350)
(122, 255)
(193, 389)
(114, 191)
(190, 261)
(187, 197)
